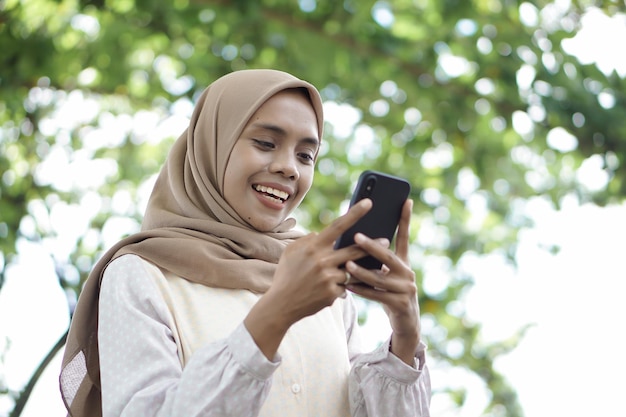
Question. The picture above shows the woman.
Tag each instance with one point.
(218, 307)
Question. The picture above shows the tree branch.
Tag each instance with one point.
(24, 395)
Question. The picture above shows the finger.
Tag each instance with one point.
(371, 293)
(381, 295)
(378, 251)
(392, 303)
(354, 251)
(383, 241)
(343, 223)
(402, 238)
(378, 286)
(373, 279)
(343, 255)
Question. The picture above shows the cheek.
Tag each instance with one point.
(235, 167)
(306, 181)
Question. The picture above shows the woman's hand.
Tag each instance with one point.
(393, 286)
(307, 279)
(308, 273)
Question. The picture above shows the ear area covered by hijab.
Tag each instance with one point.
(188, 228)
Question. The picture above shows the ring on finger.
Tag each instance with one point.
(347, 281)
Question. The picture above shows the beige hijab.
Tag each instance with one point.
(188, 228)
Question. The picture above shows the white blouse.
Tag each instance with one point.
(144, 375)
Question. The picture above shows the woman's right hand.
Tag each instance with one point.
(307, 279)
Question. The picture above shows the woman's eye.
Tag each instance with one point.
(307, 156)
(264, 144)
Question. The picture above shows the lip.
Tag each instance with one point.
(277, 186)
(275, 205)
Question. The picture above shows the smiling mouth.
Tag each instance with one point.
(271, 193)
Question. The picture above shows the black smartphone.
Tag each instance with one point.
(388, 194)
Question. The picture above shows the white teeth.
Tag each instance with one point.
(269, 190)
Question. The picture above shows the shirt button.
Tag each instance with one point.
(295, 388)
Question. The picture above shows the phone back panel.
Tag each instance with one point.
(388, 194)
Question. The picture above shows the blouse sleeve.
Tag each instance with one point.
(381, 384)
(225, 378)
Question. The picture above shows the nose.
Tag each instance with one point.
(285, 163)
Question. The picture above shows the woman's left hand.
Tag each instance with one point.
(393, 286)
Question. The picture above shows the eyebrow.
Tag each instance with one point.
(280, 131)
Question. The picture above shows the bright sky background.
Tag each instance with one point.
(570, 362)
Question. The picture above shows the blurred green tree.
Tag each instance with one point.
(476, 102)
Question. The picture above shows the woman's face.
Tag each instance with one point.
(272, 163)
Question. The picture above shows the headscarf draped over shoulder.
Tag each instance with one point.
(188, 228)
